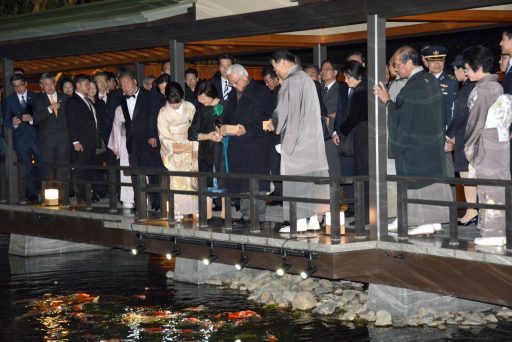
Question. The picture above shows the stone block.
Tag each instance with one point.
(402, 303)
(195, 272)
(24, 245)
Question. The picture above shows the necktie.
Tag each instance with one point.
(52, 101)
(23, 103)
(350, 92)
(129, 96)
(226, 91)
(326, 89)
(91, 108)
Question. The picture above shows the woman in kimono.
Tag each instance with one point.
(486, 142)
(178, 153)
(204, 129)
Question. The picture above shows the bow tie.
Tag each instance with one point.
(128, 96)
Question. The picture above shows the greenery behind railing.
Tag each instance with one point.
(15, 7)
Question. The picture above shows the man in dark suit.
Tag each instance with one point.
(249, 148)
(191, 78)
(220, 80)
(272, 82)
(225, 91)
(141, 138)
(82, 123)
(49, 113)
(18, 117)
(506, 48)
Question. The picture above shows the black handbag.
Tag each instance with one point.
(325, 129)
(346, 146)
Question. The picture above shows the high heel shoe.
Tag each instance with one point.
(474, 220)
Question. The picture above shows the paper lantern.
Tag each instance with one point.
(51, 197)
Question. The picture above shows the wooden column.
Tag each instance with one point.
(377, 130)
(138, 69)
(177, 58)
(10, 181)
(319, 54)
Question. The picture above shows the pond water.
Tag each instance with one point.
(112, 295)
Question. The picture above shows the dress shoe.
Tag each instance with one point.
(491, 241)
(33, 200)
(302, 226)
(474, 220)
(242, 222)
(215, 221)
(313, 223)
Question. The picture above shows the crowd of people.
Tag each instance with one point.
(300, 121)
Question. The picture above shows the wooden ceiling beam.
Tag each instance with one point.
(460, 16)
(403, 31)
(212, 49)
(285, 40)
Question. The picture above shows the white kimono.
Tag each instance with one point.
(117, 142)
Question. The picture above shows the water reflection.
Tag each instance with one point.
(109, 295)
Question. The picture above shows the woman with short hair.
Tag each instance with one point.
(205, 130)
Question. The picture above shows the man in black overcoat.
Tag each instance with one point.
(249, 149)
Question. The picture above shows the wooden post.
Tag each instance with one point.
(377, 130)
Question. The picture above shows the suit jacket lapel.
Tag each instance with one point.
(138, 104)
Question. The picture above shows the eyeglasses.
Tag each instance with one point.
(326, 69)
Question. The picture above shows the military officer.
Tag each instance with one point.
(434, 57)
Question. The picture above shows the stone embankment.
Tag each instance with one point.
(345, 300)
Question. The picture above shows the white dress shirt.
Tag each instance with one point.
(130, 103)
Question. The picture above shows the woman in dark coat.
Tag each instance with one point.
(357, 121)
(455, 136)
(205, 129)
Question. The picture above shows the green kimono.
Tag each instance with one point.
(416, 129)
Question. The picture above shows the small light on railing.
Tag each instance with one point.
(284, 267)
(212, 256)
(244, 259)
(310, 269)
(140, 247)
(51, 197)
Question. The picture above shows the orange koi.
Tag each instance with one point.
(155, 330)
(77, 307)
(193, 320)
(242, 314)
